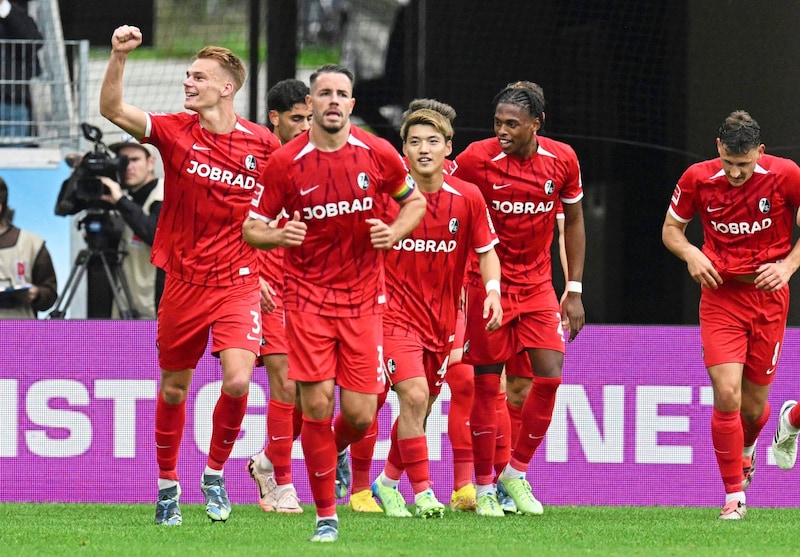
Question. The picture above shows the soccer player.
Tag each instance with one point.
(213, 160)
(420, 321)
(521, 176)
(271, 469)
(331, 181)
(746, 201)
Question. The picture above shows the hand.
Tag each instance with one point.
(772, 276)
(267, 292)
(492, 307)
(125, 39)
(381, 234)
(293, 232)
(573, 314)
(701, 269)
(115, 192)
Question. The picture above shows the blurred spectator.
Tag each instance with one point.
(18, 64)
(27, 277)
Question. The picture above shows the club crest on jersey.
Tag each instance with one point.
(363, 181)
(453, 226)
(764, 205)
(250, 162)
(549, 187)
(391, 365)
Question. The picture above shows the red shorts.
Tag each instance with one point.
(187, 312)
(519, 365)
(530, 320)
(742, 324)
(273, 330)
(406, 357)
(348, 350)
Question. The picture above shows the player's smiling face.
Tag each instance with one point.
(332, 101)
(426, 149)
(204, 84)
(738, 167)
(515, 129)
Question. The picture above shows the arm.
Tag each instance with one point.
(143, 225)
(43, 294)
(412, 210)
(774, 276)
(260, 234)
(489, 265)
(130, 118)
(673, 234)
(575, 247)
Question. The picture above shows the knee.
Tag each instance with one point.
(236, 386)
(414, 400)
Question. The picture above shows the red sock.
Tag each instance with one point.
(170, 420)
(394, 466)
(752, 429)
(414, 452)
(462, 469)
(362, 451)
(319, 449)
(345, 433)
(280, 432)
(361, 458)
(537, 412)
(502, 447)
(794, 416)
(460, 380)
(226, 423)
(483, 424)
(728, 439)
(515, 416)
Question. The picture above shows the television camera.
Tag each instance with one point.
(83, 192)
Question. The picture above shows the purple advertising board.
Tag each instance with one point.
(630, 426)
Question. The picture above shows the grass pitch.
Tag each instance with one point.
(94, 529)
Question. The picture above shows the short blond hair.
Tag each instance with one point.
(228, 61)
(427, 117)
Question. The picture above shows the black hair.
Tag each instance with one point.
(739, 133)
(6, 213)
(332, 68)
(285, 94)
(525, 94)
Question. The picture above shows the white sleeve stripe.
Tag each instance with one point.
(484, 249)
(257, 216)
(676, 216)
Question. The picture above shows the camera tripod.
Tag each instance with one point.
(98, 249)
(116, 281)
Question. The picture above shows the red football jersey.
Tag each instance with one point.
(425, 270)
(746, 226)
(522, 198)
(209, 181)
(335, 271)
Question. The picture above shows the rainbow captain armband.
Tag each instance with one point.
(408, 186)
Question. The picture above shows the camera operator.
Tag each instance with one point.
(138, 200)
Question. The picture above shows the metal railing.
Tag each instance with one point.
(43, 86)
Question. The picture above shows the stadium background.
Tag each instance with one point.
(638, 88)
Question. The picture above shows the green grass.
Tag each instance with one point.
(72, 529)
